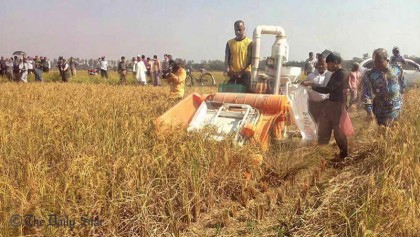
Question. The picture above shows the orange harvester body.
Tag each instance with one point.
(273, 110)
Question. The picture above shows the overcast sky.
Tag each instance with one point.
(198, 30)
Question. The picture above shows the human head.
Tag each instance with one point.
(380, 59)
(143, 57)
(103, 58)
(395, 51)
(122, 58)
(165, 56)
(333, 62)
(311, 54)
(355, 67)
(321, 66)
(176, 66)
(239, 28)
(172, 62)
(317, 55)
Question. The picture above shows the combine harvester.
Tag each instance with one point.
(276, 105)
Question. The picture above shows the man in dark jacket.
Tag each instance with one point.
(330, 116)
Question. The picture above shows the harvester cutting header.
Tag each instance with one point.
(273, 106)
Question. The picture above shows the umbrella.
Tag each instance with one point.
(19, 53)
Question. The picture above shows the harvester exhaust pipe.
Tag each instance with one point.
(279, 51)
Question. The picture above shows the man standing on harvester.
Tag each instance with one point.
(238, 55)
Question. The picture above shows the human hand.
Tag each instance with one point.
(307, 83)
(230, 73)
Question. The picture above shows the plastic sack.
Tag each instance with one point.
(298, 97)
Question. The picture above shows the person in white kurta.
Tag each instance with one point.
(141, 72)
(23, 68)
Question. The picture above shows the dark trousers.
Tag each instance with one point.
(329, 121)
(244, 79)
(315, 109)
(104, 73)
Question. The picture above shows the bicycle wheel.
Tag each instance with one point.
(207, 80)
(189, 80)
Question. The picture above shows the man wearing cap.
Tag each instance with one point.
(330, 116)
(396, 58)
(382, 89)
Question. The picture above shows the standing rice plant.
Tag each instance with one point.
(91, 152)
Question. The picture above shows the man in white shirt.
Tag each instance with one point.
(30, 62)
(104, 68)
(140, 70)
(319, 77)
(23, 68)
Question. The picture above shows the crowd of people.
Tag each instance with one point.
(332, 93)
(18, 68)
(143, 67)
(332, 90)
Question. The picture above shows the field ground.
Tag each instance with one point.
(90, 151)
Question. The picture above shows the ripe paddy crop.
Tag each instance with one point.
(90, 153)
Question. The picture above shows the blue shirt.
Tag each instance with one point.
(382, 91)
(397, 59)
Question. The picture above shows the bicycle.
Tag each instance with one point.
(205, 78)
